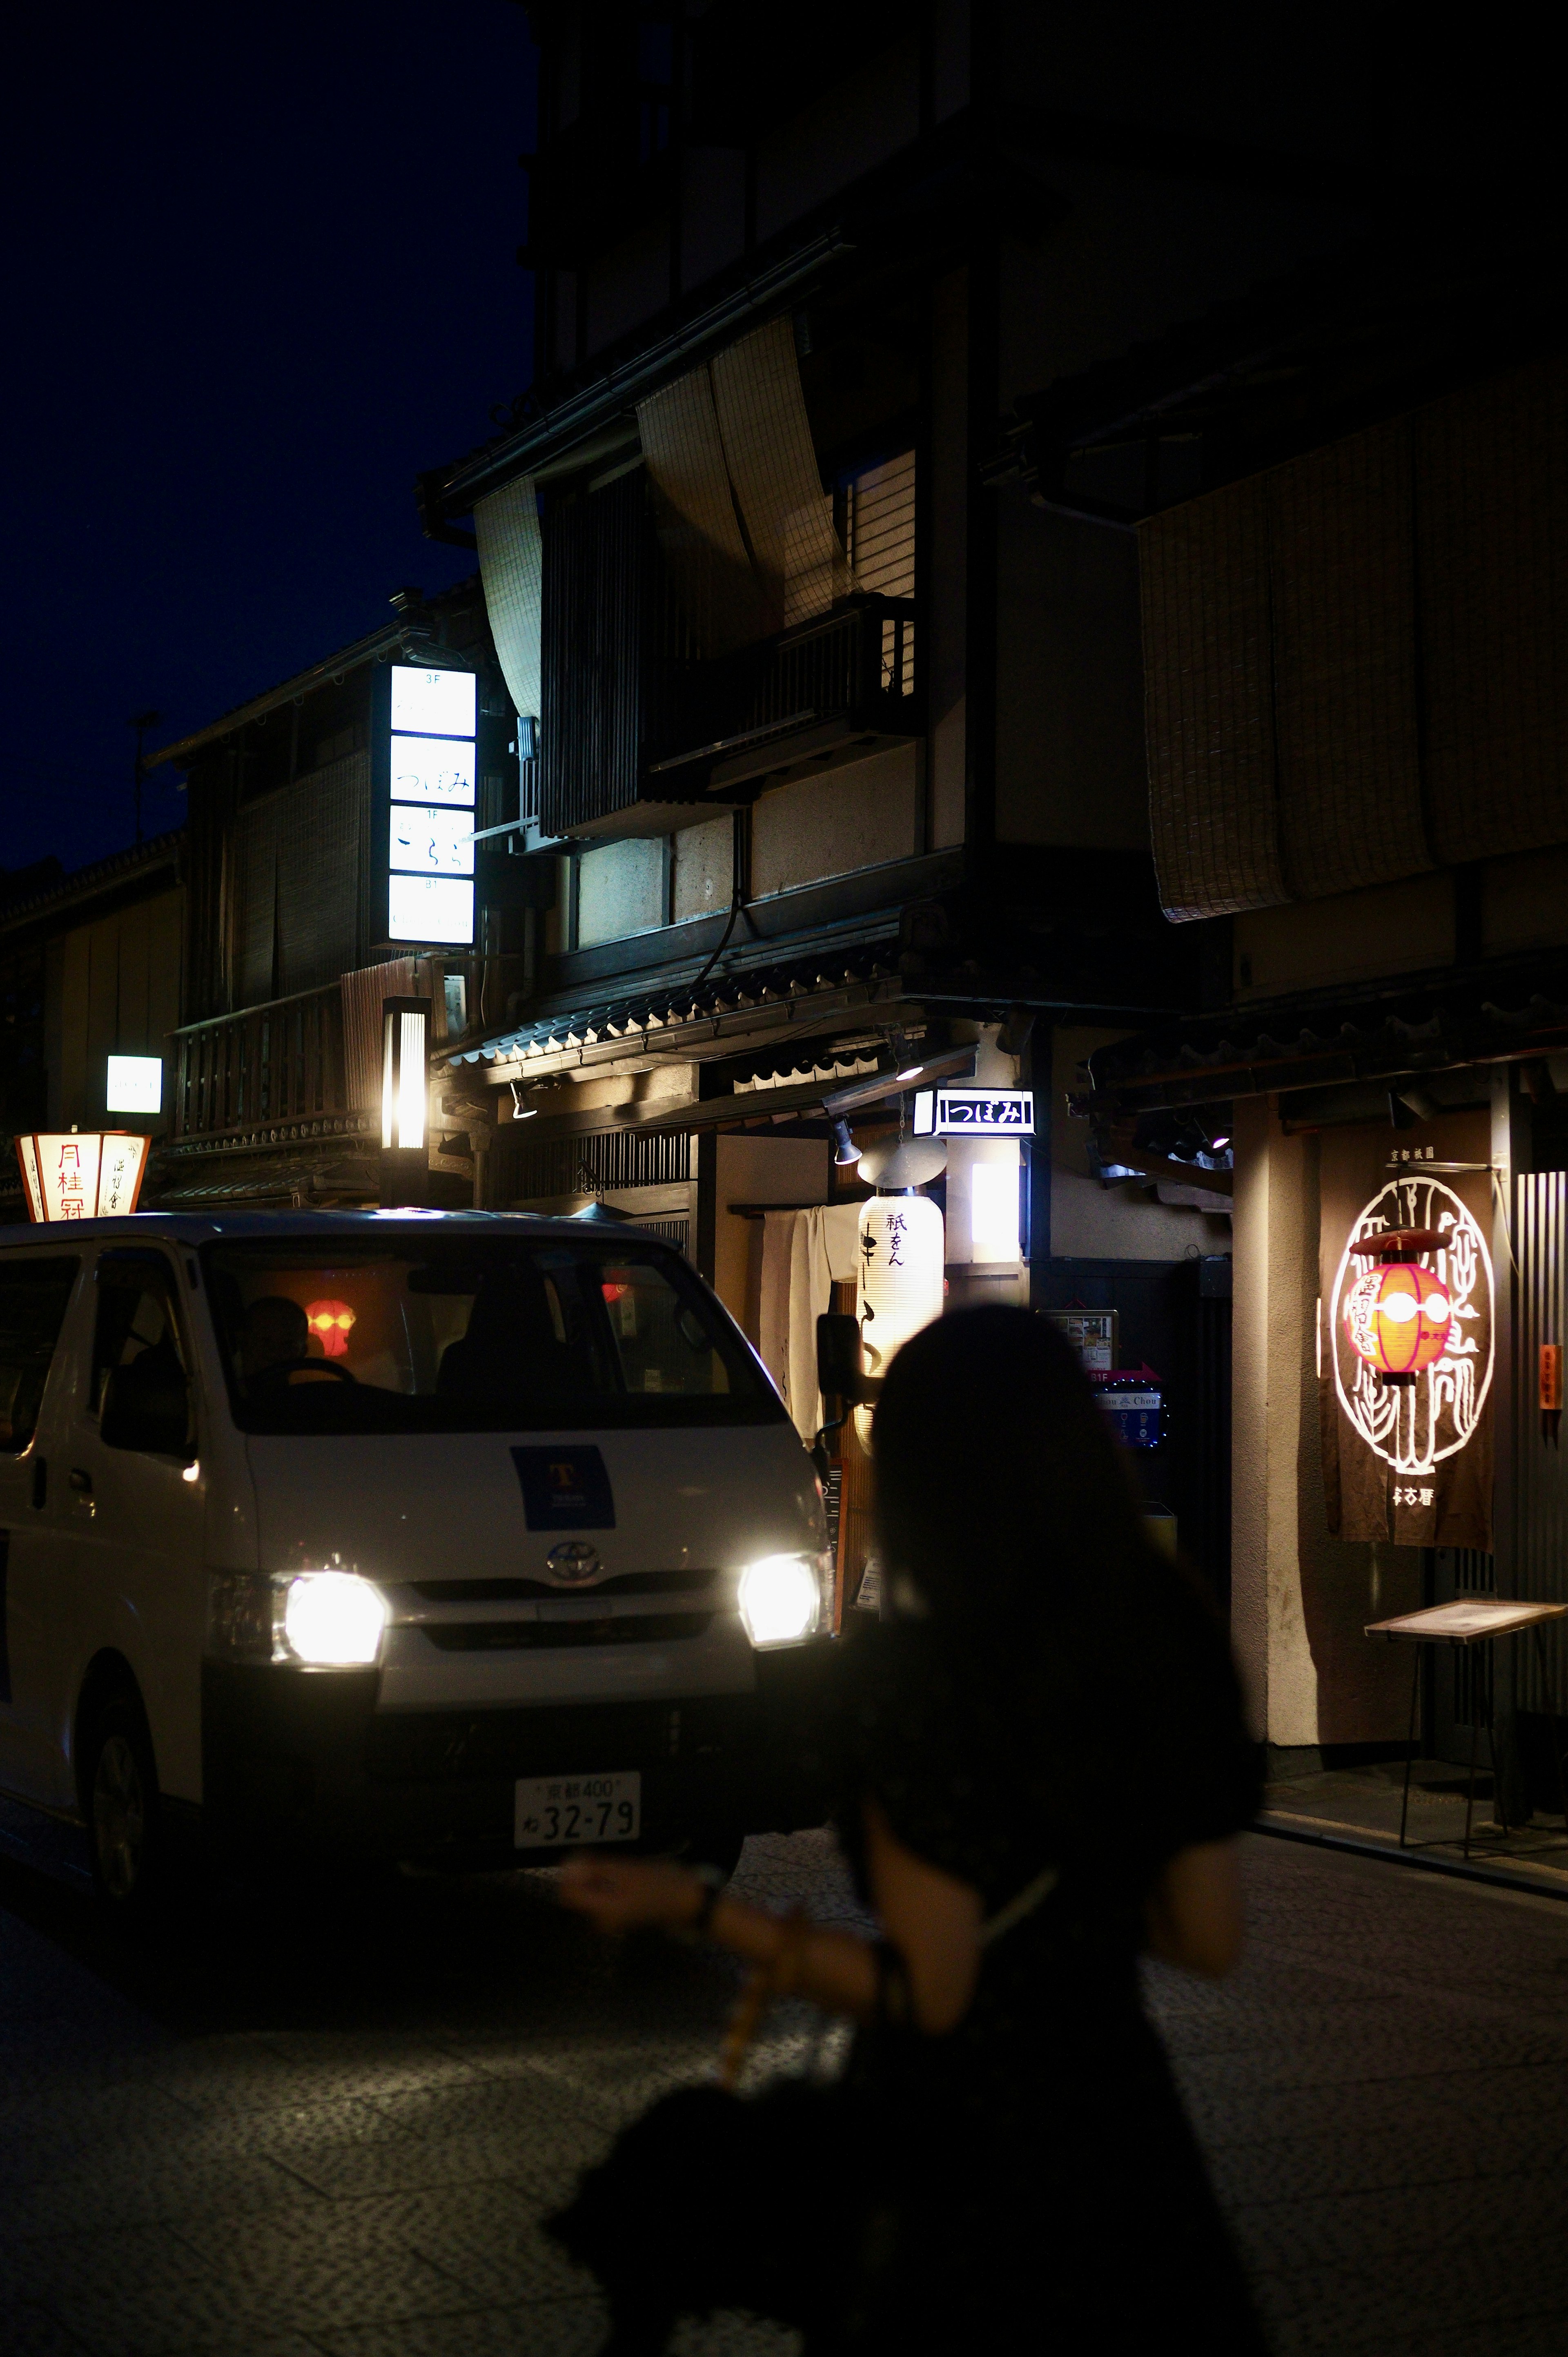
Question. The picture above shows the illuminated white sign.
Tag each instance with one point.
(974, 1113)
(89, 1175)
(136, 1084)
(433, 703)
(430, 909)
(431, 842)
(432, 770)
(431, 797)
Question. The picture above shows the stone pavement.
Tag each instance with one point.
(324, 2123)
(1364, 1804)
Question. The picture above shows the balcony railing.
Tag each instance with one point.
(278, 1064)
(852, 673)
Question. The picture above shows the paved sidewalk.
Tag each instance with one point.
(326, 2125)
(1362, 1804)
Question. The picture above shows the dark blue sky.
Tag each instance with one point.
(260, 265)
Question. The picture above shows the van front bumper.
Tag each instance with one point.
(303, 1761)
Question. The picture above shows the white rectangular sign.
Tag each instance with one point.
(974, 1113)
(431, 842)
(133, 1084)
(430, 909)
(432, 770)
(433, 703)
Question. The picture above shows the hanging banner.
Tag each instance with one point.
(1408, 1460)
(89, 1175)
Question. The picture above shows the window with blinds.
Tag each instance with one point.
(880, 541)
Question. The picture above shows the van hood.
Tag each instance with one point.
(458, 1505)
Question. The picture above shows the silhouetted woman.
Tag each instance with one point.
(1045, 1766)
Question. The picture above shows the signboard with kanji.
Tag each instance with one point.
(86, 1175)
(974, 1113)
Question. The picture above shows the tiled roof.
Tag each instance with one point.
(723, 1004)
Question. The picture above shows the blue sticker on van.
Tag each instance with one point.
(564, 1488)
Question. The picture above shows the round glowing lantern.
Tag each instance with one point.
(329, 1321)
(1397, 1315)
(900, 1279)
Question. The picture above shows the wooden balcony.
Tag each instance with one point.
(815, 696)
(269, 1069)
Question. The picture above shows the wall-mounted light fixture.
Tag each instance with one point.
(847, 1153)
(406, 1081)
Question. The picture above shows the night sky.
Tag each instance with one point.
(260, 273)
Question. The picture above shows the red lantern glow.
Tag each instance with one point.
(1398, 1315)
(329, 1321)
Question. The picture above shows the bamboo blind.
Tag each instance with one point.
(1355, 664)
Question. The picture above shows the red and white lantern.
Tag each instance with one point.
(1396, 1316)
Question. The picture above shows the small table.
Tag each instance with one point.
(1472, 1621)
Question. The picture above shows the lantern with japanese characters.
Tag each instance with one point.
(899, 1284)
(1397, 1314)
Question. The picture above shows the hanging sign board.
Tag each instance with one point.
(432, 786)
(1407, 1460)
(974, 1113)
(88, 1175)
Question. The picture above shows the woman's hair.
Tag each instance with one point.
(1000, 1491)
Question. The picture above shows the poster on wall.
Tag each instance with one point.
(1408, 1460)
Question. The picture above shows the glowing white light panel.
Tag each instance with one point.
(136, 1084)
(430, 909)
(433, 703)
(432, 794)
(432, 770)
(431, 842)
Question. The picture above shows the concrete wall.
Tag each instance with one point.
(1300, 1599)
(1351, 937)
(620, 890)
(859, 816)
(702, 873)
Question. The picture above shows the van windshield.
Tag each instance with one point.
(460, 1334)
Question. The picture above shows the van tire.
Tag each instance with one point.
(120, 1793)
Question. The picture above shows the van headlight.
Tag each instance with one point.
(333, 1619)
(329, 1620)
(780, 1599)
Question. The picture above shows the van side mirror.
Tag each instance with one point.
(840, 1365)
(146, 1408)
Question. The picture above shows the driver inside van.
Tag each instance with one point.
(275, 1333)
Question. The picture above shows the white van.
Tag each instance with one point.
(442, 1537)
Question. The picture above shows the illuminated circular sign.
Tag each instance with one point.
(1431, 1316)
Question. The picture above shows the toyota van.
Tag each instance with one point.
(455, 1537)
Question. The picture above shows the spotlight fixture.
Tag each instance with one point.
(847, 1153)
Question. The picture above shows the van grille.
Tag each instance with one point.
(513, 1591)
(506, 1636)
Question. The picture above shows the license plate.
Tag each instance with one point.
(564, 1812)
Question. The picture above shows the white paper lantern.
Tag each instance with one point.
(900, 1280)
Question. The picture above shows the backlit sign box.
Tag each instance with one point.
(88, 1175)
(434, 720)
(974, 1113)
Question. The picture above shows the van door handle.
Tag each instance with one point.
(81, 1482)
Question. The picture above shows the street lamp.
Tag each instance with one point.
(406, 1079)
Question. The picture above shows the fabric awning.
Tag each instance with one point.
(511, 566)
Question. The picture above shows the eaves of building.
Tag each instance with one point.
(125, 875)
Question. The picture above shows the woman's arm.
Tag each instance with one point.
(1194, 1913)
(931, 1920)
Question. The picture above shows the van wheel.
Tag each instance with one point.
(121, 1794)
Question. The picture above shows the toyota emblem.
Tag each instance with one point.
(574, 1560)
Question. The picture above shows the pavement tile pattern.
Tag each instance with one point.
(324, 2121)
